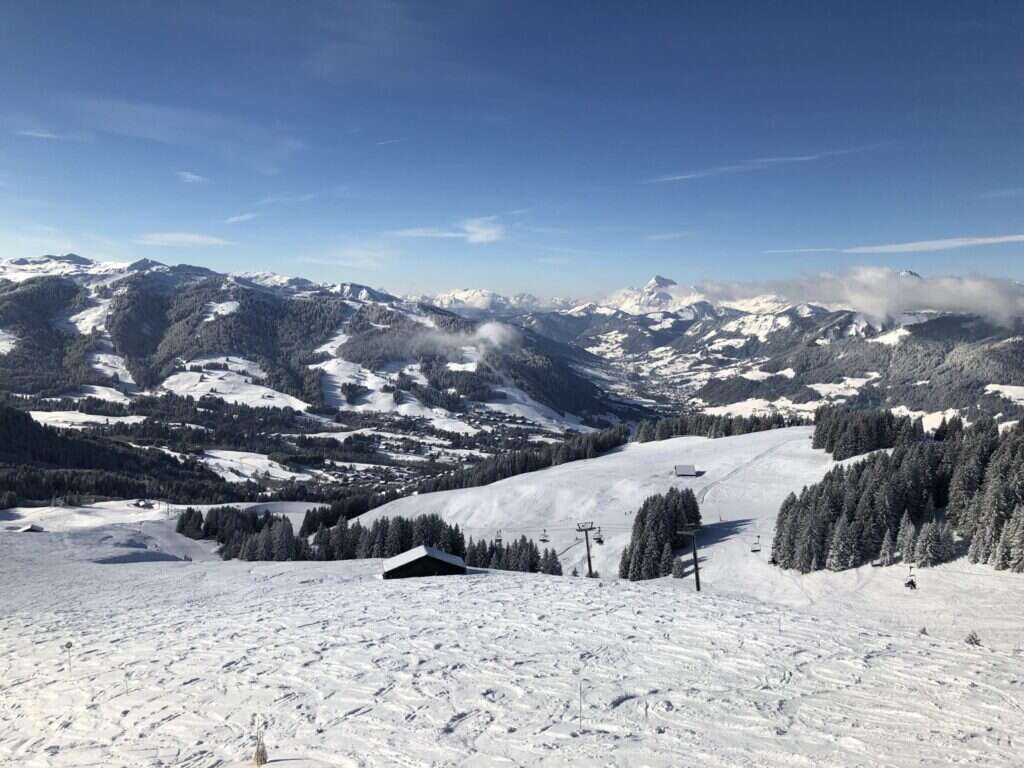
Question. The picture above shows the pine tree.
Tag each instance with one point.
(928, 550)
(651, 559)
(907, 538)
(678, 568)
(841, 551)
(624, 562)
(665, 567)
(887, 554)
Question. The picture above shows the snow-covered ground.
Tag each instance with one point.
(236, 385)
(745, 479)
(77, 420)
(171, 661)
(241, 466)
(111, 365)
(7, 341)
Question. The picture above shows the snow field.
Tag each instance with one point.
(171, 661)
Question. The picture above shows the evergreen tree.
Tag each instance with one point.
(665, 566)
(887, 554)
(843, 548)
(928, 550)
(906, 539)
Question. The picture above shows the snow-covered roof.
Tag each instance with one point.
(685, 469)
(422, 551)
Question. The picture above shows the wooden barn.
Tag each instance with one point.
(423, 561)
(685, 470)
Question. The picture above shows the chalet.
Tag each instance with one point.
(423, 561)
(685, 470)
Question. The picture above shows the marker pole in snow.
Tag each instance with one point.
(585, 529)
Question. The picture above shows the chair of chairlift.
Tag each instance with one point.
(598, 538)
(544, 537)
(756, 546)
(911, 582)
(497, 537)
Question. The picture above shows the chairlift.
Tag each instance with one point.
(544, 537)
(911, 582)
(598, 538)
(756, 546)
(497, 537)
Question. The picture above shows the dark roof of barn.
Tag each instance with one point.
(419, 552)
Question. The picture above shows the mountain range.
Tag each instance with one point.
(70, 325)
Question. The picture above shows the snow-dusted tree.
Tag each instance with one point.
(928, 550)
(649, 568)
(283, 540)
(887, 554)
(906, 539)
(665, 567)
(322, 544)
(624, 562)
(678, 568)
(843, 548)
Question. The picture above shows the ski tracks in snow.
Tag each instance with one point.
(169, 669)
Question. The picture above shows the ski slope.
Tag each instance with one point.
(170, 662)
(745, 480)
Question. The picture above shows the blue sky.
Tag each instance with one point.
(559, 148)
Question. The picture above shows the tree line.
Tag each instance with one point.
(706, 425)
(845, 433)
(656, 534)
(248, 535)
(512, 463)
(889, 507)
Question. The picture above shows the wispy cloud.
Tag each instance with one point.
(915, 246)
(366, 256)
(238, 140)
(484, 229)
(801, 250)
(188, 177)
(47, 135)
(936, 245)
(180, 240)
(661, 236)
(240, 218)
(285, 199)
(392, 141)
(757, 164)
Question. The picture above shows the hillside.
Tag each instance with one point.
(479, 670)
(757, 470)
(745, 479)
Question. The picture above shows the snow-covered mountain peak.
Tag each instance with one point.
(658, 282)
(68, 265)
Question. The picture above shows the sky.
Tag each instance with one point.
(565, 149)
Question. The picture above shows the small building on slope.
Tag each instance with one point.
(685, 470)
(423, 561)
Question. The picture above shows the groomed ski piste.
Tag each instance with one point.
(171, 661)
